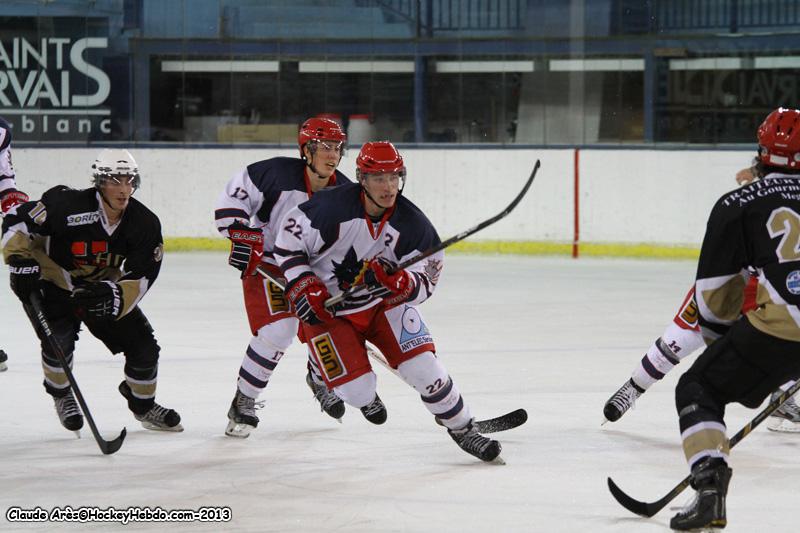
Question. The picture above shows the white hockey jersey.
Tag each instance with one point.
(331, 236)
(7, 183)
(262, 193)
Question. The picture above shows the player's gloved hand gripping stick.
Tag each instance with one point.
(332, 302)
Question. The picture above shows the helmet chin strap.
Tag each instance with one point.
(368, 195)
(109, 207)
(310, 165)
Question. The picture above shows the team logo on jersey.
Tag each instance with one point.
(82, 219)
(414, 332)
(91, 257)
(350, 271)
(689, 313)
(328, 356)
(793, 282)
(432, 270)
(158, 253)
(276, 300)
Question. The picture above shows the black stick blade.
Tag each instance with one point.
(503, 422)
(634, 506)
(110, 446)
(643, 508)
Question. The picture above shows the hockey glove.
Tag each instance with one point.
(25, 277)
(307, 296)
(247, 247)
(395, 287)
(99, 300)
(12, 199)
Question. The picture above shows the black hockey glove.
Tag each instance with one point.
(99, 299)
(25, 277)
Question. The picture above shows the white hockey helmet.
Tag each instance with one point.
(113, 164)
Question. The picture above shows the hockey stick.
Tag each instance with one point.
(492, 425)
(106, 446)
(499, 423)
(650, 509)
(333, 301)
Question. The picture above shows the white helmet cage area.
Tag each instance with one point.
(115, 165)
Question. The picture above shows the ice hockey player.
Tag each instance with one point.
(354, 236)
(248, 212)
(753, 228)
(9, 195)
(681, 338)
(90, 256)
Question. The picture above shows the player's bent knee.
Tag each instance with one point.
(143, 357)
(360, 391)
(276, 337)
(423, 371)
(691, 391)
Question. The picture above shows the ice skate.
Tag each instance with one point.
(157, 418)
(242, 417)
(328, 401)
(3, 359)
(710, 479)
(472, 442)
(621, 401)
(785, 418)
(375, 411)
(68, 412)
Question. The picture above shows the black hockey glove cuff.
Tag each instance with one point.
(101, 299)
(24, 277)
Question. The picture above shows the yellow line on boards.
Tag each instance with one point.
(643, 250)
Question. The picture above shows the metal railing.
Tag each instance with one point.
(431, 16)
(731, 15)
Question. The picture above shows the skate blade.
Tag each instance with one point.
(781, 425)
(77, 433)
(3, 367)
(175, 429)
(497, 461)
(240, 431)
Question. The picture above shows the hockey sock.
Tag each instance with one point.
(257, 367)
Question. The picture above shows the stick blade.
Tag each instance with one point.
(503, 422)
(634, 506)
(110, 446)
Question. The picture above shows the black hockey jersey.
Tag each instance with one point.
(754, 229)
(68, 233)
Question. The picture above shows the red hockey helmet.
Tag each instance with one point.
(318, 129)
(380, 157)
(779, 139)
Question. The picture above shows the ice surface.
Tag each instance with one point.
(553, 335)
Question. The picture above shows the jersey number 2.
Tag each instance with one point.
(785, 223)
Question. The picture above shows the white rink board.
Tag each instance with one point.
(557, 341)
(626, 196)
